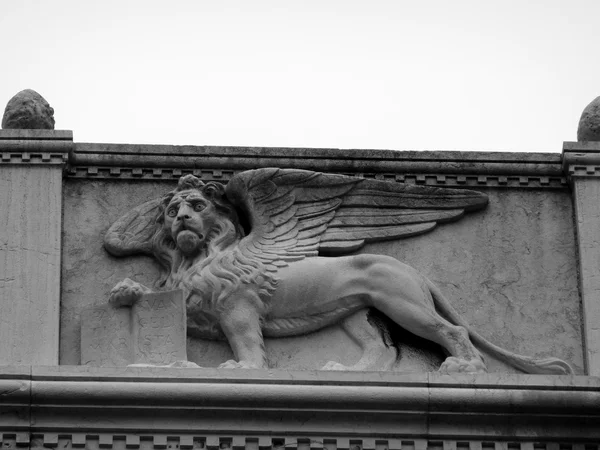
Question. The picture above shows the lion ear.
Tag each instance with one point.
(212, 190)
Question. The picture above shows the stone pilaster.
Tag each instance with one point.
(581, 163)
(31, 169)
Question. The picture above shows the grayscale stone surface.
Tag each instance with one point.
(490, 268)
(141, 407)
(268, 280)
(151, 331)
(589, 123)
(581, 162)
(28, 110)
(31, 168)
(510, 271)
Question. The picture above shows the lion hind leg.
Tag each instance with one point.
(425, 323)
(527, 364)
(376, 355)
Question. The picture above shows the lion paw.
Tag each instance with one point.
(232, 364)
(334, 365)
(458, 365)
(126, 293)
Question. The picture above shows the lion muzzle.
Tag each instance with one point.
(189, 242)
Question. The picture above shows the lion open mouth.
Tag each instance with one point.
(189, 242)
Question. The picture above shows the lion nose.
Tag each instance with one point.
(184, 213)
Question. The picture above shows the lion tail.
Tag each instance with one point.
(525, 363)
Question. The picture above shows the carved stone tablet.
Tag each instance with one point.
(106, 336)
(159, 328)
(150, 332)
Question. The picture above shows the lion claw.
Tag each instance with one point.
(458, 365)
(334, 365)
(126, 293)
(232, 364)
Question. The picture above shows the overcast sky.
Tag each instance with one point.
(407, 75)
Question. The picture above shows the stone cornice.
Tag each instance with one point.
(214, 405)
(35, 147)
(443, 168)
(581, 159)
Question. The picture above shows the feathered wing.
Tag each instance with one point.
(132, 233)
(296, 214)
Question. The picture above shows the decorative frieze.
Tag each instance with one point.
(449, 169)
(171, 174)
(29, 158)
(35, 147)
(266, 441)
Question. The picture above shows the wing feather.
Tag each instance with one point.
(350, 217)
(295, 214)
(132, 233)
(306, 211)
(375, 233)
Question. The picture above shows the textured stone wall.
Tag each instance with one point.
(510, 271)
(30, 200)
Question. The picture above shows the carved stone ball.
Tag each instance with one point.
(28, 110)
(589, 124)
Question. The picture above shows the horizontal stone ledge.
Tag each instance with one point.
(304, 152)
(432, 393)
(38, 146)
(42, 135)
(35, 147)
(582, 146)
(321, 159)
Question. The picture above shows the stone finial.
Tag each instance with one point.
(28, 110)
(589, 124)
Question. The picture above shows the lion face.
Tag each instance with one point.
(188, 218)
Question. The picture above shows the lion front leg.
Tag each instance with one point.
(127, 292)
(241, 323)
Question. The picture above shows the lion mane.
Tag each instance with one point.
(225, 266)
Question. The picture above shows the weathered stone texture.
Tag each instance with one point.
(88, 272)
(28, 110)
(152, 331)
(93, 408)
(510, 271)
(589, 124)
(587, 192)
(30, 200)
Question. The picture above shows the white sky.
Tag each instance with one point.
(408, 75)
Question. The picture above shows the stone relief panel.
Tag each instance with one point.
(511, 272)
(476, 262)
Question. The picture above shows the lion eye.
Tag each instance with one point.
(199, 207)
(172, 212)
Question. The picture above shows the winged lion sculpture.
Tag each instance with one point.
(249, 259)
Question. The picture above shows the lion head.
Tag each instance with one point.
(197, 224)
(196, 217)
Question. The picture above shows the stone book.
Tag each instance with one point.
(152, 331)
